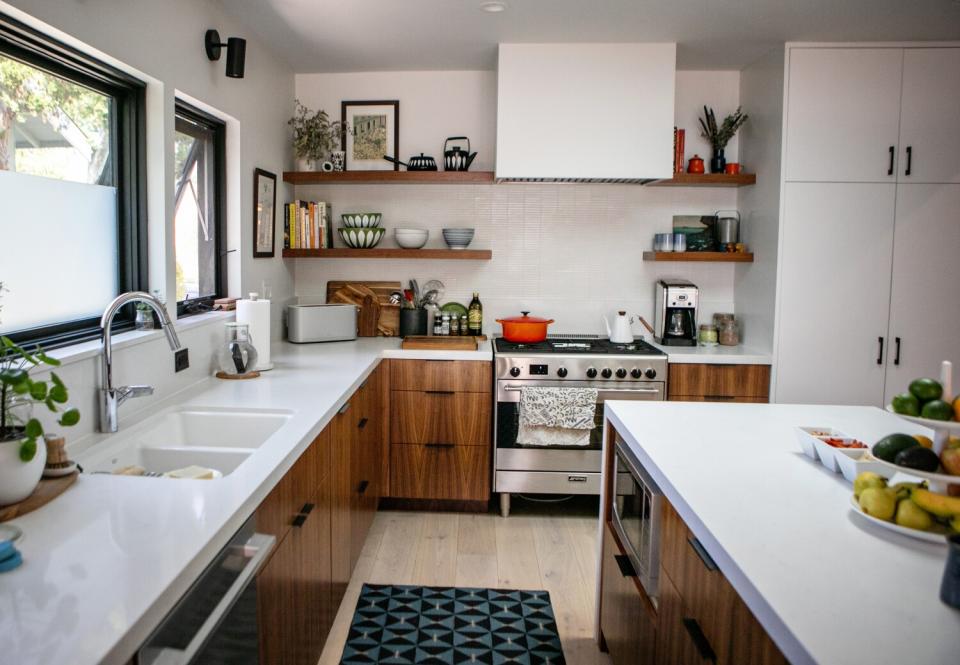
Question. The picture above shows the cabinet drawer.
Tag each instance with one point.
(730, 399)
(462, 419)
(719, 381)
(627, 619)
(276, 512)
(434, 472)
(675, 643)
(457, 375)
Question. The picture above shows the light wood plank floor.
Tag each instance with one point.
(550, 548)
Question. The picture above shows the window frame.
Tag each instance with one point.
(128, 151)
(186, 112)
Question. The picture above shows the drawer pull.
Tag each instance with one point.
(439, 392)
(699, 639)
(344, 408)
(307, 508)
(576, 479)
(625, 565)
(364, 484)
(707, 560)
(362, 423)
(299, 520)
(439, 445)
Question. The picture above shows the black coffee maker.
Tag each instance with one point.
(675, 317)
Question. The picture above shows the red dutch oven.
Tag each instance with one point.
(525, 329)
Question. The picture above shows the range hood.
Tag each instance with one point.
(585, 112)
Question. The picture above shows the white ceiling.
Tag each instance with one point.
(383, 35)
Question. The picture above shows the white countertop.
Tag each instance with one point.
(827, 585)
(715, 355)
(104, 563)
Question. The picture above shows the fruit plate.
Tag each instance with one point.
(929, 536)
(951, 426)
(938, 481)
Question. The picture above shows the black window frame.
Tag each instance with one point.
(128, 152)
(187, 113)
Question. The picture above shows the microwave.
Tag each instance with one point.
(636, 516)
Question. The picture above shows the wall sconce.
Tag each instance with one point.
(236, 52)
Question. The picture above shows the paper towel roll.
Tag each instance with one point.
(256, 314)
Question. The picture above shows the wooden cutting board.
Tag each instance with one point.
(387, 323)
(48, 490)
(442, 343)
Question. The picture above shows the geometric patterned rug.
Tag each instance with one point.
(402, 625)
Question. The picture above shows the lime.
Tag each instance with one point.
(926, 389)
(937, 410)
(906, 404)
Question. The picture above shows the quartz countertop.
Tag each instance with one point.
(715, 355)
(828, 586)
(104, 563)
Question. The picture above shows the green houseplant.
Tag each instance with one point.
(720, 135)
(315, 136)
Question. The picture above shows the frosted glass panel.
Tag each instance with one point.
(58, 257)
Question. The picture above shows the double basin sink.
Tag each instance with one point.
(220, 439)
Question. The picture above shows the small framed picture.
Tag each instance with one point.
(264, 216)
(373, 131)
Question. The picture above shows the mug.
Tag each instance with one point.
(732, 168)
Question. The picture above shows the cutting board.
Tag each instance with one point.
(373, 299)
(442, 343)
(48, 490)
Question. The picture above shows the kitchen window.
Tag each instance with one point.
(198, 208)
(71, 165)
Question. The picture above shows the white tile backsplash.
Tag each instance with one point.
(567, 252)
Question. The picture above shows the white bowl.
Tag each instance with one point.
(852, 466)
(829, 455)
(411, 238)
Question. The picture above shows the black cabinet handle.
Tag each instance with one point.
(362, 423)
(625, 565)
(439, 445)
(438, 392)
(719, 398)
(364, 484)
(307, 509)
(707, 560)
(909, 160)
(896, 356)
(890, 168)
(344, 408)
(299, 520)
(699, 639)
(880, 352)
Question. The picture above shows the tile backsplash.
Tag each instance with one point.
(568, 252)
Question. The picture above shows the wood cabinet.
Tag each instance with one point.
(627, 618)
(718, 383)
(440, 429)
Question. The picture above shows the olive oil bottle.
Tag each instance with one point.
(475, 315)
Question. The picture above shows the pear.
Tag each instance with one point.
(879, 502)
(950, 459)
(867, 479)
(913, 516)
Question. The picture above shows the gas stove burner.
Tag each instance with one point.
(571, 346)
(577, 344)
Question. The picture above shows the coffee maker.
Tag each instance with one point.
(675, 318)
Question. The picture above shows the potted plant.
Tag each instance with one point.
(144, 314)
(720, 136)
(22, 450)
(315, 136)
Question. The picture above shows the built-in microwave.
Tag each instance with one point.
(636, 513)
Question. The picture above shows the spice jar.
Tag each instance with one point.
(445, 325)
(464, 325)
(707, 335)
(454, 325)
(729, 333)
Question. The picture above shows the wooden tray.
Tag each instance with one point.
(440, 343)
(48, 490)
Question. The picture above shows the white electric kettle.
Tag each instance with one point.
(620, 333)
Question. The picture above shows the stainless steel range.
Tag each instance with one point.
(636, 371)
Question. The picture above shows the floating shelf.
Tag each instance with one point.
(389, 253)
(706, 180)
(388, 177)
(728, 257)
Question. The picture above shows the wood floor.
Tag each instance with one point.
(535, 548)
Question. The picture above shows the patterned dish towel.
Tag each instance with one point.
(556, 416)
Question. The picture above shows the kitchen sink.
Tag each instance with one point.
(216, 438)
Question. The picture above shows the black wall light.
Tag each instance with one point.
(236, 52)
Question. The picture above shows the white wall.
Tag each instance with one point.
(720, 90)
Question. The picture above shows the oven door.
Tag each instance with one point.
(635, 512)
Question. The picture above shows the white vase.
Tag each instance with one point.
(304, 164)
(18, 478)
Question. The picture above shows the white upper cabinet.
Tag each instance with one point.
(585, 111)
(930, 117)
(843, 114)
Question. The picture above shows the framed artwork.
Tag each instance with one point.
(373, 131)
(264, 213)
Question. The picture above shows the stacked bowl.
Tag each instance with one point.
(361, 230)
(458, 238)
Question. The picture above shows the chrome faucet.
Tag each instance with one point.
(111, 398)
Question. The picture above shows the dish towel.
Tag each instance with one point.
(557, 416)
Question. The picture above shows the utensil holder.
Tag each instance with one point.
(413, 322)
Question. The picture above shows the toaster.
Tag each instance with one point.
(321, 323)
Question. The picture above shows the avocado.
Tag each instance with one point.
(889, 446)
(926, 389)
(919, 458)
(937, 410)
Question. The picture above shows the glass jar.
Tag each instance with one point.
(707, 335)
(445, 325)
(237, 355)
(729, 333)
(464, 325)
(720, 317)
(455, 326)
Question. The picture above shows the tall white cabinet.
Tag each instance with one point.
(870, 222)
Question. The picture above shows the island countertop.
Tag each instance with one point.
(828, 586)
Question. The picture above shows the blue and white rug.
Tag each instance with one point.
(402, 625)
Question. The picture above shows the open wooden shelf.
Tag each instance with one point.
(706, 180)
(389, 253)
(388, 177)
(728, 257)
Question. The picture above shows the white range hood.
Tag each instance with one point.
(585, 112)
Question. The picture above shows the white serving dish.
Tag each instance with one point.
(929, 536)
(938, 481)
(852, 466)
(829, 455)
(411, 238)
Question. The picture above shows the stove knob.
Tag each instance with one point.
(514, 371)
(591, 373)
(636, 373)
(562, 372)
(606, 373)
(651, 373)
(621, 373)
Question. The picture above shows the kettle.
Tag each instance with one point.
(621, 332)
(456, 158)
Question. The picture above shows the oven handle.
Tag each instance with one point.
(646, 391)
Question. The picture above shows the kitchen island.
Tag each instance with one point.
(827, 586)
